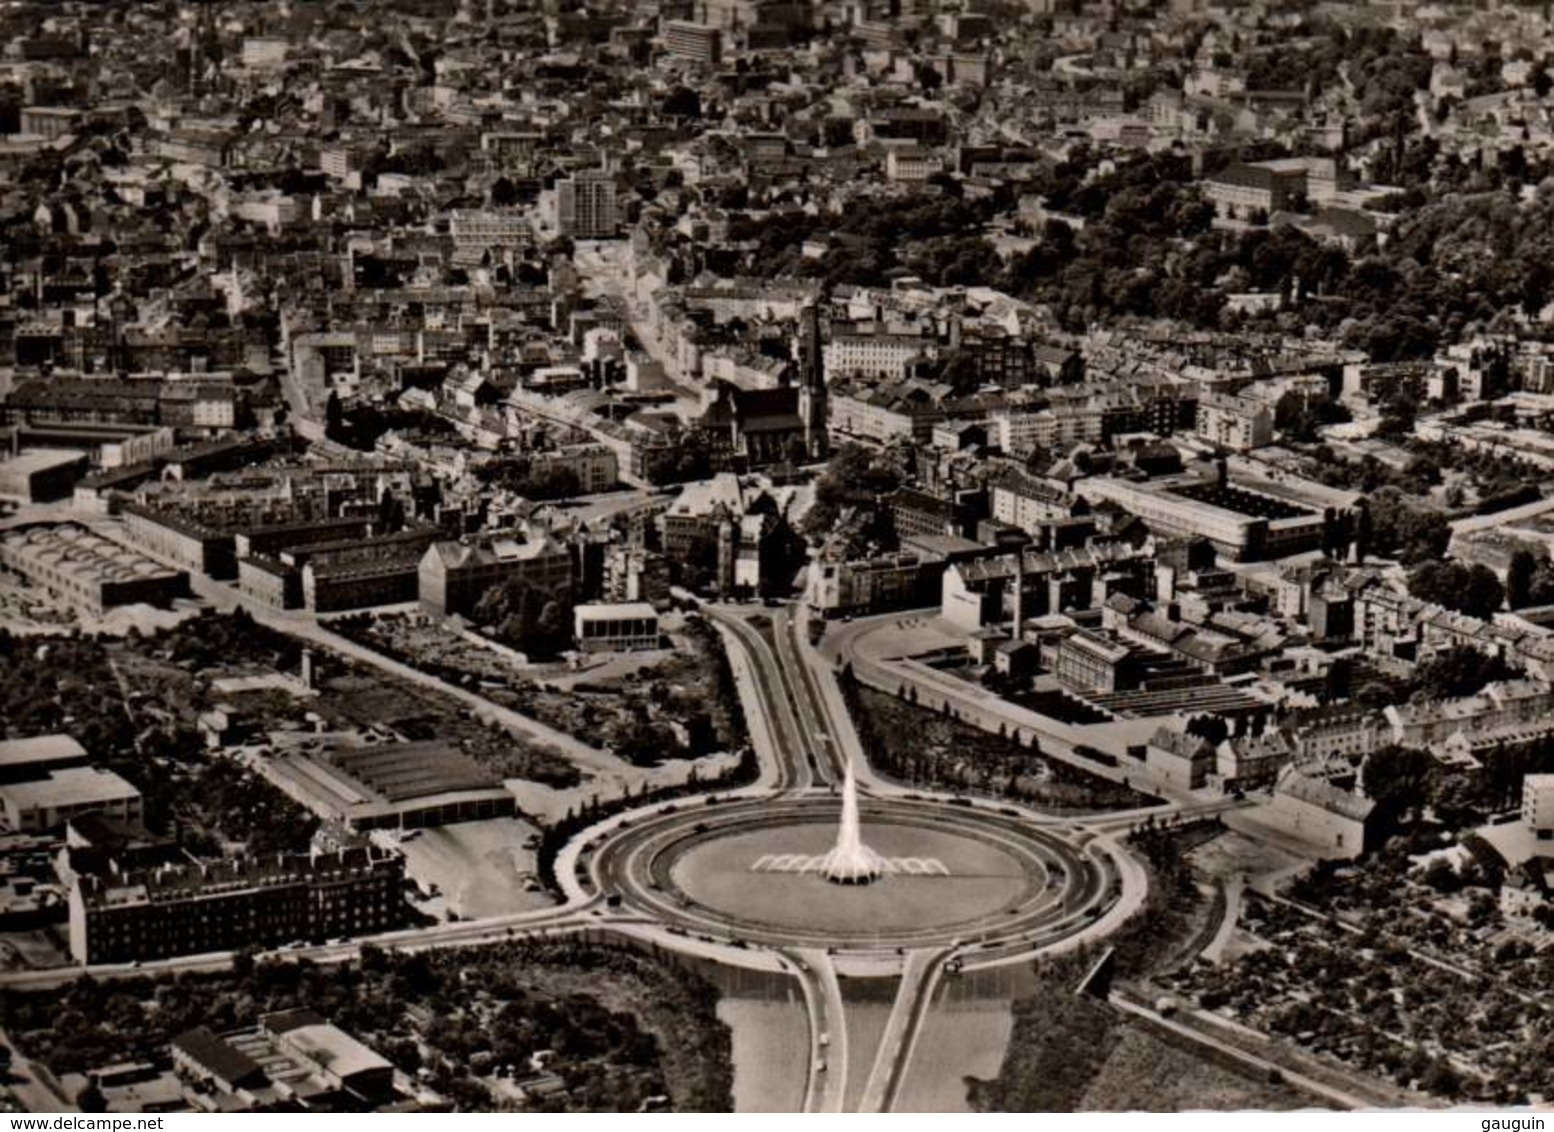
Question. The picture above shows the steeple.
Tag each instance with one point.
(813, 396)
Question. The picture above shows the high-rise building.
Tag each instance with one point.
(585, 206)
(696, 42)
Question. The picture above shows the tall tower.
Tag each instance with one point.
(814, 399)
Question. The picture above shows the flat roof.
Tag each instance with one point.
(69, 786)
(325, 1044)
(36, 460)
(404, 771)
(40, 749)
(615, 611)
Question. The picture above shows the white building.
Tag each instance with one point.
(910, 164)
(615, 627)
(1019, 433)
(47, 802)
(873, 355)
(1335, 823)
(586, 207)
(1028, 503)
(1239, 423)
(264, 52)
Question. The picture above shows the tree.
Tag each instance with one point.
(1441, 1079)
(1396, 778)
(503, 192)
(91, 1099)
(1397, 528)
(1474, 590)
(1339, 680)
(1459, 671)
(682, 102)
(1519, 575)
(531, 620)
(334, 416)
(1212, 728)
(391, 514)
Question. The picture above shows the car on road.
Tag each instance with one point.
(820, 1065)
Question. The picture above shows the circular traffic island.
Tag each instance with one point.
(980, 879)
(754, 871)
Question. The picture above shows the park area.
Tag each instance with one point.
(646, 707)
(546, 1025)
(918, 747)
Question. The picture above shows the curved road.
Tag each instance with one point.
(808, 733)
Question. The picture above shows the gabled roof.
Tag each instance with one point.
(1293, 783)
(215, 1056)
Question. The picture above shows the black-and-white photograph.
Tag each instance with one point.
(776, 556)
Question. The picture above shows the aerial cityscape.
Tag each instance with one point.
(776, 555)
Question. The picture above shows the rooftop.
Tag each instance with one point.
(69, 786)
(40, 751)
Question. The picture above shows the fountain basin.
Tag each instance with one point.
(980, 878)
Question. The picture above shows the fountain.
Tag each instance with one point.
(850, 861)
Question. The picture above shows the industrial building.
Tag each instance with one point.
(293, 1059)
(41, 476)
(47, 780)
(90, 572)
(1245, 525)
(396, 786)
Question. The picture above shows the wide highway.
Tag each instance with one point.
(803, 759)
(618, 877)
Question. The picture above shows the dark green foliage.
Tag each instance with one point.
(144, 728)
(1061, 1040)
(660, 1035)
(917, 747)
(1474, 590)
(1460, 671)
(528, 618)
(1404, 530)
(518, 474)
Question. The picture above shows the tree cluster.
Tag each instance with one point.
(519, 475)
(1460, 670)
(1393, 527)
(1475, 590)
(622, 1026)
(537, 623)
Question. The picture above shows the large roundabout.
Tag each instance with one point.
(1009, 884)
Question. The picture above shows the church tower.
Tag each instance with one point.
(813, 396)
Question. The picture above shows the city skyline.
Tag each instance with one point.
(776, 556)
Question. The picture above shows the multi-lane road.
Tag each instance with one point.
(616, 875)
(806, 750)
